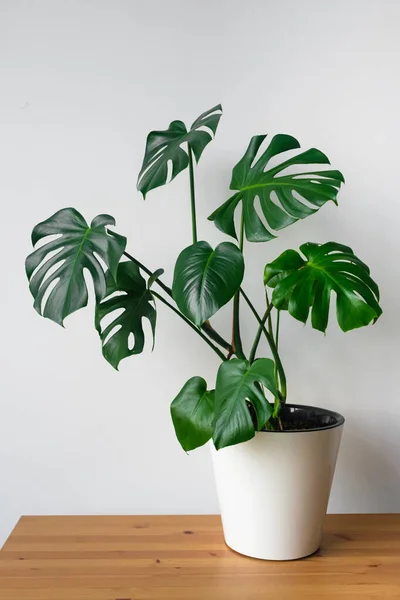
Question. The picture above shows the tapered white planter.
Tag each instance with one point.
(274, 489)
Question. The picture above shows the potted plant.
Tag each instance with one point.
(274, 461)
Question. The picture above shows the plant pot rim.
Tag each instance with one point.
(308, 410)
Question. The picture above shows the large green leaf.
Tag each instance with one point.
(192, 413)
(257, 181)
(136, 302)
(301, 284)
(63, 260)
(238, 382)
(166, 146)
(206, 279)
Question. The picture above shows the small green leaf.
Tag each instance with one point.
(206, 279)
(166, 146)
(62, 261)
(304, 284)
(136, 303)
(239, 382)
(153, 278)
(253, 181)
(192, 413)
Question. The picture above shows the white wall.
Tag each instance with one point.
(82, 83)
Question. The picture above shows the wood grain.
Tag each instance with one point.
(185, 558)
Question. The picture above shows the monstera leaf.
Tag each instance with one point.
(254, 180)
(136, 302)
(61, 261)
(192, 413)
(206, 279)
(166, 146)
(304, 283)
(238, 382)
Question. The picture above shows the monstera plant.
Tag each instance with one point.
(249, 392)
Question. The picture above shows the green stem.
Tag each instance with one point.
(214, 335)
(205, 338)
(271, 333)
(261, 322)
(278, 318)
(278, 315)
(236, 338)
(278, 363)
(270, 328)
(251, 305)
(271, 342)
(192, 195)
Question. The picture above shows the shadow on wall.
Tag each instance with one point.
(367, 474)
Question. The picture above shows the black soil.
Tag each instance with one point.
(302, 424)
(297, 418)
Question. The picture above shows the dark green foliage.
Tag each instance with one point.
(206, 279)
(136, 303)
(69, 254)
(253, 180)
(303, 284)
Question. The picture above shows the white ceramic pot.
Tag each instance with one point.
(274, 489)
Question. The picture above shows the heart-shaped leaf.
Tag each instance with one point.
(257, 181)
(238, 382)
(166, 146)
(301, 284)
(192, 413)
(135, 303)
(206, 279)
(61, 261)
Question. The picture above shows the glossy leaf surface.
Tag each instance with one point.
(238, 382)
(60, 262)
(192, 413)
(165, 146)
(134, 303)
(280, 196)
(306, 283)
(206, 279)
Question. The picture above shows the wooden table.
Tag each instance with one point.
(185, 558)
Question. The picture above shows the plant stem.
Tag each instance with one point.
(236, 339)
(207, 325)
(278, 318)
(278, 363)
(214, 335)
(205, 338)
(251, 306)
(271, 342)
(271, 333)
(261, 322)
(192, 195)
(270, 328)
(276, 342)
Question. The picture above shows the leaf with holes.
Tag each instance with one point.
(134, 303)
(302, 284)
(238, 382)
(255, 180)
(61, 262)
(192, 413)
(166, 146)
(206, 279)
